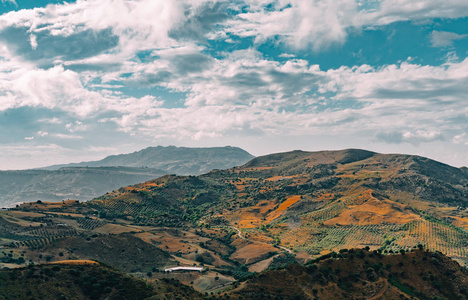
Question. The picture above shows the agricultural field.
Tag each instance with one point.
(277, 209)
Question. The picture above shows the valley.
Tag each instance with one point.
(267, 215)
(87, 180)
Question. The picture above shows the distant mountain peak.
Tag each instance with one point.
(172, 159)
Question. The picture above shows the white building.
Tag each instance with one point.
(199, 269)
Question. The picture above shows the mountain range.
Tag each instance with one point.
(342, 224)
(86, 180)
(173, 160)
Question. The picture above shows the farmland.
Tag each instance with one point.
(294, 206)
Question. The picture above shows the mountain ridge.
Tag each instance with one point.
(172, 159)
(270, 212)
(86, 180)
(306, 191)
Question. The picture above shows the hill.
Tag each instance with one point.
(350, 274)
(314, 201)
(274, 210)
(67, 183)
(87, 180)
(174, 160)
(85, 280)
(360, 274)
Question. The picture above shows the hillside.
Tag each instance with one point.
(84, 280)
(67, 183)
(360, 274)
(275, 209)
(87, 180)
(350, 274)
(174, 160)
(314, 202)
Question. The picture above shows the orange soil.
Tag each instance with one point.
(260, 237)
(277, 178)
(152, 184)
(283, 206)
(290, 201)
(183, 243)
(251, 217)
(242, 184)
(326, 196)
(375, 212)
(252, 252)
(299, 236)
(240, 187)
(460, 222)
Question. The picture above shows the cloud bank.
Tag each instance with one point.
(198, 70)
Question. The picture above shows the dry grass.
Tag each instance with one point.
(23, 214)
(375, 212)
(251, 217)
(249, 252)
(261, 265)
(460, 222)
(114, 229)
(18, 221)
(278, 178)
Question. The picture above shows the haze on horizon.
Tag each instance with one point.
(80, 80)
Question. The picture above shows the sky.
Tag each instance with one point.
(80, 80)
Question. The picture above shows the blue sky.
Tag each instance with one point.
(80, 80)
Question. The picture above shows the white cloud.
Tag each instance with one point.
(61, 89)
(77, 59)
(445, 39)
(66, 136)
(245, 93)
(93, 30)
(320, 24)
(53, 120)
(460, 139)
(422, 136)
(147, 24)
(298, 23)
(77, 126)
(287, 55)
(390, 11)
(33, 41)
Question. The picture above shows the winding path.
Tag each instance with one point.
(239, 234)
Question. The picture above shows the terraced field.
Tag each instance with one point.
(299, 204)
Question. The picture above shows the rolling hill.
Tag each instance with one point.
(351, 274)
(85, 280)
(67, 183)
(249, 223)
(84, 181)
(360, 274)
(314, 202)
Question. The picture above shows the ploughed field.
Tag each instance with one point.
(274, 210)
